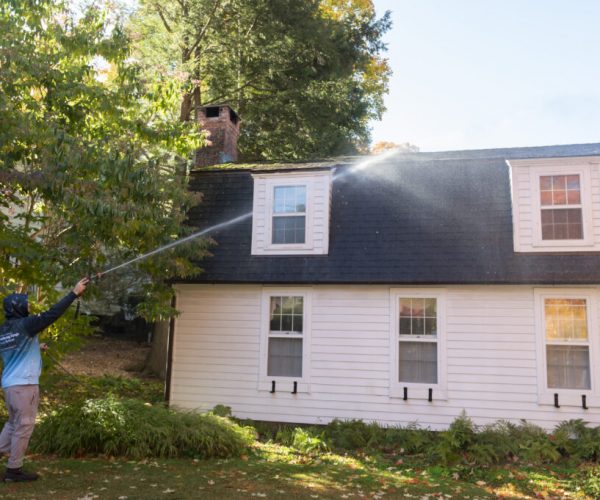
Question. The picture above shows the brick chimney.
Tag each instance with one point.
(223, 126)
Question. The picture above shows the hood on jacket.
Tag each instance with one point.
(16, 306)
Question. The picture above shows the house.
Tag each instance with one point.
(404, 290)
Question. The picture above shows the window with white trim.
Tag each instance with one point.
(568, 346)
(554, 207)
(561, 207)
(567, 343)
(417, 343)
(285, 340)
(289, 215)
(417, 340)
(286, 325)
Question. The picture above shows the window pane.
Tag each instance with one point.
(560, 190)
(418, 308)
(431, 326)
(297, 324)
(546, 183)
(286, 314)
(568, 367)
(562, 224)
(275, 322)
(405, 308)
(285, 358)
(418, 326)
(405, 326)
(573, 182)
(298, 305)
(290, 229)
(417, 362)
(287, 305)
(573, 197)
(430, 308)
(286, 323)
(566, 319)
(289, 199)
(418, 316)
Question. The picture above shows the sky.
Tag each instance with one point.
(472, 74)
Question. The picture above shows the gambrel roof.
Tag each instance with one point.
(415, 218)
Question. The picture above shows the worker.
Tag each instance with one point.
(22, 365)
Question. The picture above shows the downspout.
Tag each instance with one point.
(170, 353)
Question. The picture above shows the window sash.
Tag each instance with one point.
(288, 234)
(561, 198)
(284, 357)
(564, 355)
(417, 340)
(285, 347)
(282, 204)
(570, 228)
(418, 362)
(568, 367)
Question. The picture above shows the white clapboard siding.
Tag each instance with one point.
(490, 351)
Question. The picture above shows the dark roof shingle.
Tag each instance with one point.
(425, 218)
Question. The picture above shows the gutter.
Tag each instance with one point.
(169, 370)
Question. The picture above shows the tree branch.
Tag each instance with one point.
(162, 17)
(205, 27)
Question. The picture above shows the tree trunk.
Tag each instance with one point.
(156, 362)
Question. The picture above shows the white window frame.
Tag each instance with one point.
(318, 185)
(285, 384)
(418, 391)
(308, 221)
(275, 214)
(586, 206)
(567, 397)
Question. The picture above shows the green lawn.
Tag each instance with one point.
(275, 471)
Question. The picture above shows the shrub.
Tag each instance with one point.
(574, 438)
(456, 441)
(354, 434)
(307, 442)
(131, 428)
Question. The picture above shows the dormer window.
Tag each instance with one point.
(561, 209)
(553, 204)
(291, 213)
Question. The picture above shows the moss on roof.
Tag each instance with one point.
(273, 166)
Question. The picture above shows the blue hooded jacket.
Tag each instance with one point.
(19, 346)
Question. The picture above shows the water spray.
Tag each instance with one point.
(358, 167)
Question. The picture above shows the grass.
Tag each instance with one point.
(275, 471)
(278, 471)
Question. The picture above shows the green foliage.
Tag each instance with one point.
(221, 411)
(130, 428)
(306, 77)
(575, 438)
(309, 442)
(456, 441)
(590, 483)
(353, 434)
(58, 390)
(93, 162)
(463, 442)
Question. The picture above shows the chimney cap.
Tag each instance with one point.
(235, 118)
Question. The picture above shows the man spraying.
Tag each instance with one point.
(20, 351)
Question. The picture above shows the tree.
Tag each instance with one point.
(91, 157)
(306, 77)
(382, 146)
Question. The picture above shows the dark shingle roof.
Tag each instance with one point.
(442, 218)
